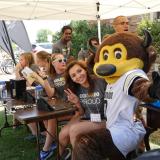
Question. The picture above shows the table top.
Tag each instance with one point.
(32, 114)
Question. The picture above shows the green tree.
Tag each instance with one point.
(42, 35)
(82, 31)
(154, 28)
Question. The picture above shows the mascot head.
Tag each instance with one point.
(122, 52)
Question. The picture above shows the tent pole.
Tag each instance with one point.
(9, 42)
(98, 22)
(99, 30)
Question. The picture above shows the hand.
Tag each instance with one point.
(18, 67)
(71, 96)
(42, 74)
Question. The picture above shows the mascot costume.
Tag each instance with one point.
(123, 59)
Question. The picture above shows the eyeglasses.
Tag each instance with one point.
(60, 60)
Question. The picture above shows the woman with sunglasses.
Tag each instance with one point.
(53, 83)
(87, 93)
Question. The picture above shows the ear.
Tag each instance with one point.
(147, 39)
(152, 54)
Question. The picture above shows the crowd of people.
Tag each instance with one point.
(67, 78)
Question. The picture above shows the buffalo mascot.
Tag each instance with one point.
(123, 60)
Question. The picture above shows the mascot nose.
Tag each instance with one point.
(105, 69)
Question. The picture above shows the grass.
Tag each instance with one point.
(155, 137)
(12, 143)
(14, 147)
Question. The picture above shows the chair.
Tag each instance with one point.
(153, 121)
(150, 155)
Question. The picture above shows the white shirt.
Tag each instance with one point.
(126, 133)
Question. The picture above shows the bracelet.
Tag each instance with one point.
(44, 78)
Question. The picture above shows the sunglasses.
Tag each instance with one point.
(60, 60)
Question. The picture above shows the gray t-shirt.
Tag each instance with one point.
(82, 55)
(58, 83)
(93, 103)
(35, 68)
(60, 47)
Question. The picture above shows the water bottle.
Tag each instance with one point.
(38, 92)
(3, 90)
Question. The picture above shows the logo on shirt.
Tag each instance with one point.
(108, 95)
(90, 99)
(59, 82)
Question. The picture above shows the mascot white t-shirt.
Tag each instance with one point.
(120, 111)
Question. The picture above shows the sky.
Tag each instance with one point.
(33, 26)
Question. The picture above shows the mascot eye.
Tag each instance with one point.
(118, 53)
(105, 54)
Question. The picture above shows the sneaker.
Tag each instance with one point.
(53, 146)
(44, 155)
(66, 154)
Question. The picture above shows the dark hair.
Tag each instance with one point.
(69, 82)
(92, 39)
(65, 28)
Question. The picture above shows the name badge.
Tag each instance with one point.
(95, 117)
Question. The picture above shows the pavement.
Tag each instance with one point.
(154, 146)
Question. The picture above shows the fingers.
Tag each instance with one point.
(68, 92)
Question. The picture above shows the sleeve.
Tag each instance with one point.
(55, 49)
(35, 68)
(50, 81)
(140, 90)
(80, 56)
(102, 84)
(130, 78)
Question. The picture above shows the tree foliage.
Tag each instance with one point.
(82, 31)
(42, 35)
(154, 28)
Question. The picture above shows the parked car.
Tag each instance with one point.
(46, 46)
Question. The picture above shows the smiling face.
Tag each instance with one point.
(67, 35)
(78, 75)
(59, 63)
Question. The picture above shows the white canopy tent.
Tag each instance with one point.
(74, 9)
